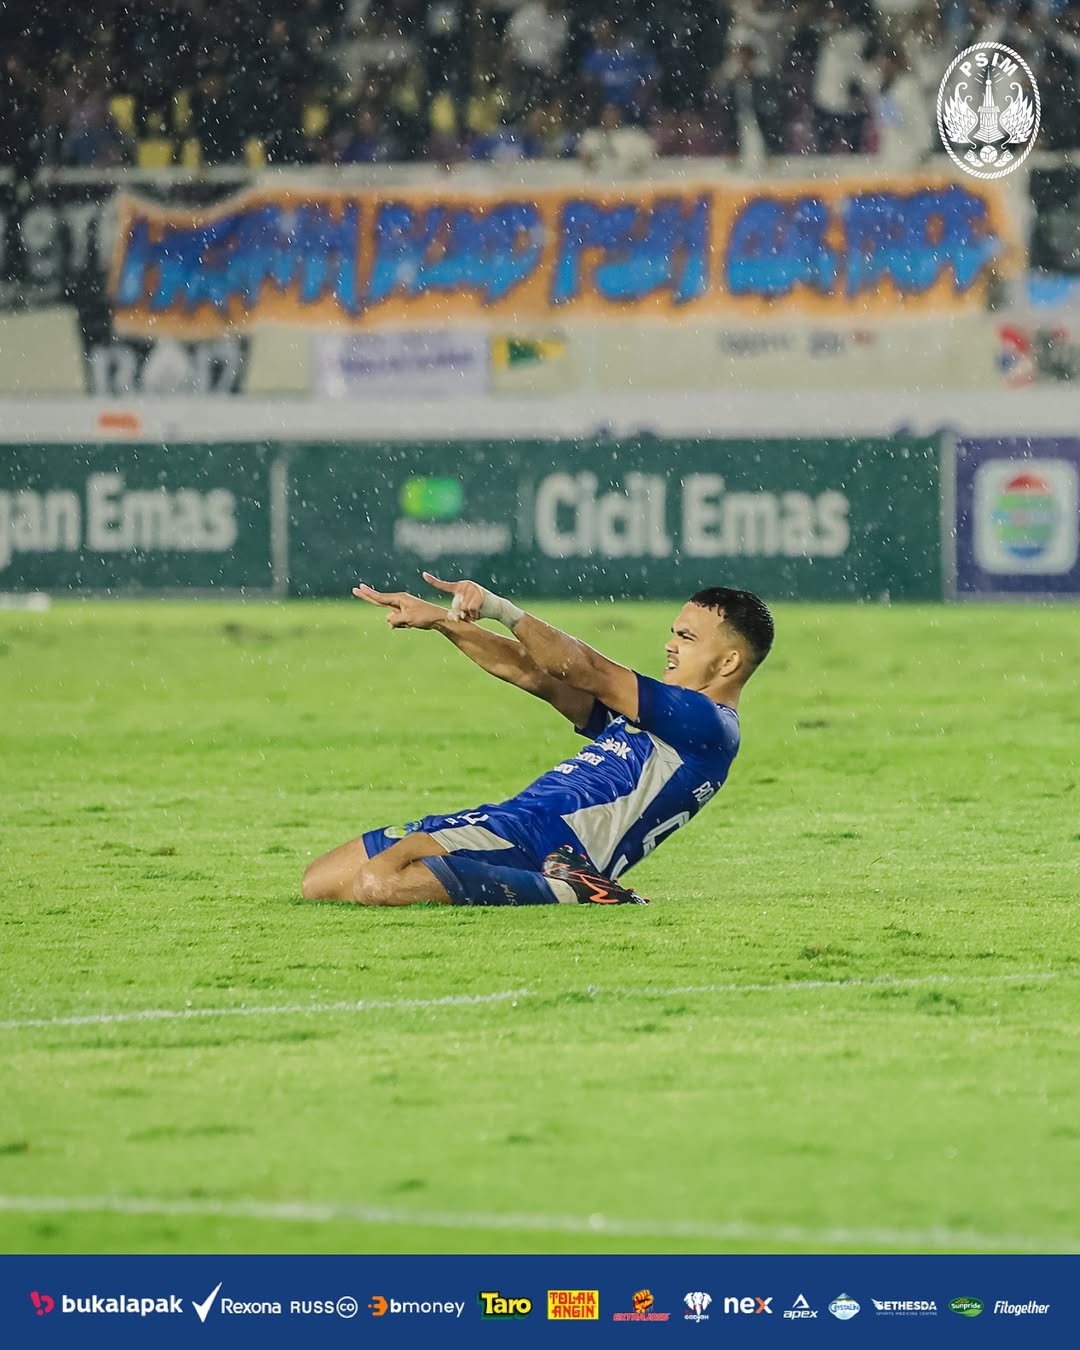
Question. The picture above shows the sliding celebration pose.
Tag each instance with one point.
(657, 751)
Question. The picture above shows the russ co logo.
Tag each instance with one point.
(696, 1305)
(643, 1303)
(573, 1305)
(498, 1305)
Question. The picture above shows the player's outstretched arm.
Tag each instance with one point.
(500, 656)
(566, 658)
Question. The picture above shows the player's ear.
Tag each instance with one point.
(731, 662)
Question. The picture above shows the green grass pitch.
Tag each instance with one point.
(848, 1022)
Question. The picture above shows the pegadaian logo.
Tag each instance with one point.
(966, 1307)
(988, 110)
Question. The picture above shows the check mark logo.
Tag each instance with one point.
(203, 1308)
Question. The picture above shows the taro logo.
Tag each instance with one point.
(966, 1307)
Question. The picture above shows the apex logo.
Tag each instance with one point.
(757, 1306)
(498, 1305)
(800, 1308)
(44, 1303)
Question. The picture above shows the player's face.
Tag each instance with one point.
(696, 649)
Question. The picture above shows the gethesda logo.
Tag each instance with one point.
(44, 1303)
(844, 1307)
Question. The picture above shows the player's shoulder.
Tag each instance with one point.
(686, 718)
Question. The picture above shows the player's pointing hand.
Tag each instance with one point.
(469, 596)
(406, 611)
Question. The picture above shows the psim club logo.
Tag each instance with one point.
(643, 1302)
(44, 1303)
(993, 138)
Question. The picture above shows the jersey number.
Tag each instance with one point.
(655, 836)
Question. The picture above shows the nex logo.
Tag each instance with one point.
(747, 1305)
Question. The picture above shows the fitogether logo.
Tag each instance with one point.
(573, 1305)
(966, 1307)
(988, 110)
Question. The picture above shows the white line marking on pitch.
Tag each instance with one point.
(301, 1211)
(509, 995)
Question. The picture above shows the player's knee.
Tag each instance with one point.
(313, 886)
(371, 888)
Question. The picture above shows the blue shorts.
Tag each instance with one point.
(496, 835)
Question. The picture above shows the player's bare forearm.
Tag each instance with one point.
(499, 656)
(565, 657)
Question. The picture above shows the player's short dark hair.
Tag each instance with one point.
(744, 612)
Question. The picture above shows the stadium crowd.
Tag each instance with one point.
(193, 82)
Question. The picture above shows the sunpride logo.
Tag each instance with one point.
(966, 1307)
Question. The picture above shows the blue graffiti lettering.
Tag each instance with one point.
(911, 239)
(454, 250)
(643, 249)
(235, 256)
(776, 244)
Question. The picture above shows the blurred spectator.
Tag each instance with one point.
(377, 44)
(840, 77)
(612, 147)
(536, 37)
(617, 71)
(91, 138)
(1061, 73)
(20, 116)
(277, 74)
(760, 31)
(371, 140)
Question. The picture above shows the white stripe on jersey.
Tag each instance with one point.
(601, 828)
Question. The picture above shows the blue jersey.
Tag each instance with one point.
(636, 782)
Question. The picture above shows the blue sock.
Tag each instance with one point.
(475, 883)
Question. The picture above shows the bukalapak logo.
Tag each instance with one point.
(43, 1303)
(125, 1305)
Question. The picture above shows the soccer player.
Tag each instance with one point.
(657, 752)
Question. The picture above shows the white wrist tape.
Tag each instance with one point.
(493, 607)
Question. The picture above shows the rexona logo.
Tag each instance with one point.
(643, 1304)
(696, 1305)
(1030, 1309)
(111, 518)
(844, 1307)
(966, 1307)
(573, 1305)
(754, 1305)
(44, 1303)
(498, 1305)
(383, 1307)
(800, 1308)
(910, 1307)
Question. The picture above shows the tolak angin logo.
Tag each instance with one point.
(799, 1310)
(966, 1307)
(573, 1305)
(493, 1304)
(1027, 516)
(844, 1307)
(643, 1310)
(904, 1307)
(379, 1306)
(695, 1307)
(988, 110)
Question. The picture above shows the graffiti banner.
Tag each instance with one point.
(420, 257)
